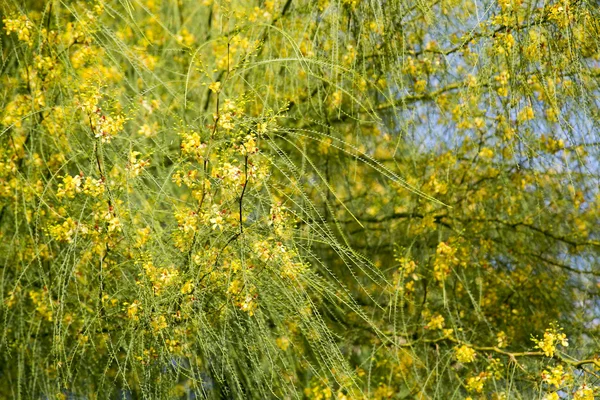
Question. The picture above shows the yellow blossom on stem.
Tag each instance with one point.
(22, 26)
(465, 354)
(553, 337)
(159, 323)
(555, 376)
(436, 322)
(476, 383)
(584, 393)
(135, 166)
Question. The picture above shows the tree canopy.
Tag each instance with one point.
(227, 199)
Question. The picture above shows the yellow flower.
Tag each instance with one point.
(552, 396)
(283, 343)
(159, 323)
(420, 86)
(502, 79)
(69, 187)
(502, 339)
(465, 354)
(444, 261)
(106, 127)
(21, 26)
(554, 377)
(436, 322)
(486, 153)
(93, 187)
(160, 277)
(42, 302)
(475, 383)
(215, 87)
(336, 99)
(324, 145)
(525, 114)
(584, 393)
(185, 38)
(552, 338)
(135, 166)
(132, 310)
(142, 236)
(64, 232)
(11, 299)
(187, 287)
(248, 304)
(114, 224)
(192, 145)
(148, 130)
(217, 222)
(551, 145)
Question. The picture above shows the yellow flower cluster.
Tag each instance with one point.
(72, 185)
(113, 222)
(405, 271)
(248, 304)
(584, 393)
(508, 5)
(465, 354)
(41, 301)
(148, 130)
(21, 26)
(269, 251)
(476, 383)
(135, 166)
(64, 232)
(502, 339)
(159, 323)
(11, 299)
(217, 221)
(502, 81)
(187, 225)
(187, 287)
(106, 127)
(93, 187)
(160, 278)
(243, 296)
(226, 117)
(187, 220)
(248, 145)
(191, 145)
(230, 174)
(185, 38)
(133, 310)
(555, 376)
(436, 322)
(46, 66)
(559, 14)
(445, 260)
(551, 145)
(142, 236)
(505, 43)
(526, 114)
(278, 218)
(382, 392)
(552, 338)
(552, 396)
(282, 342)
(318, 391)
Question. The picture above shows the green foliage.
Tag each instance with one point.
(299, 199)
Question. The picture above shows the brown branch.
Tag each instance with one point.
(542, 231)
(243, 191)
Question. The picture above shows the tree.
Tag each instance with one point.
(283, 199)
